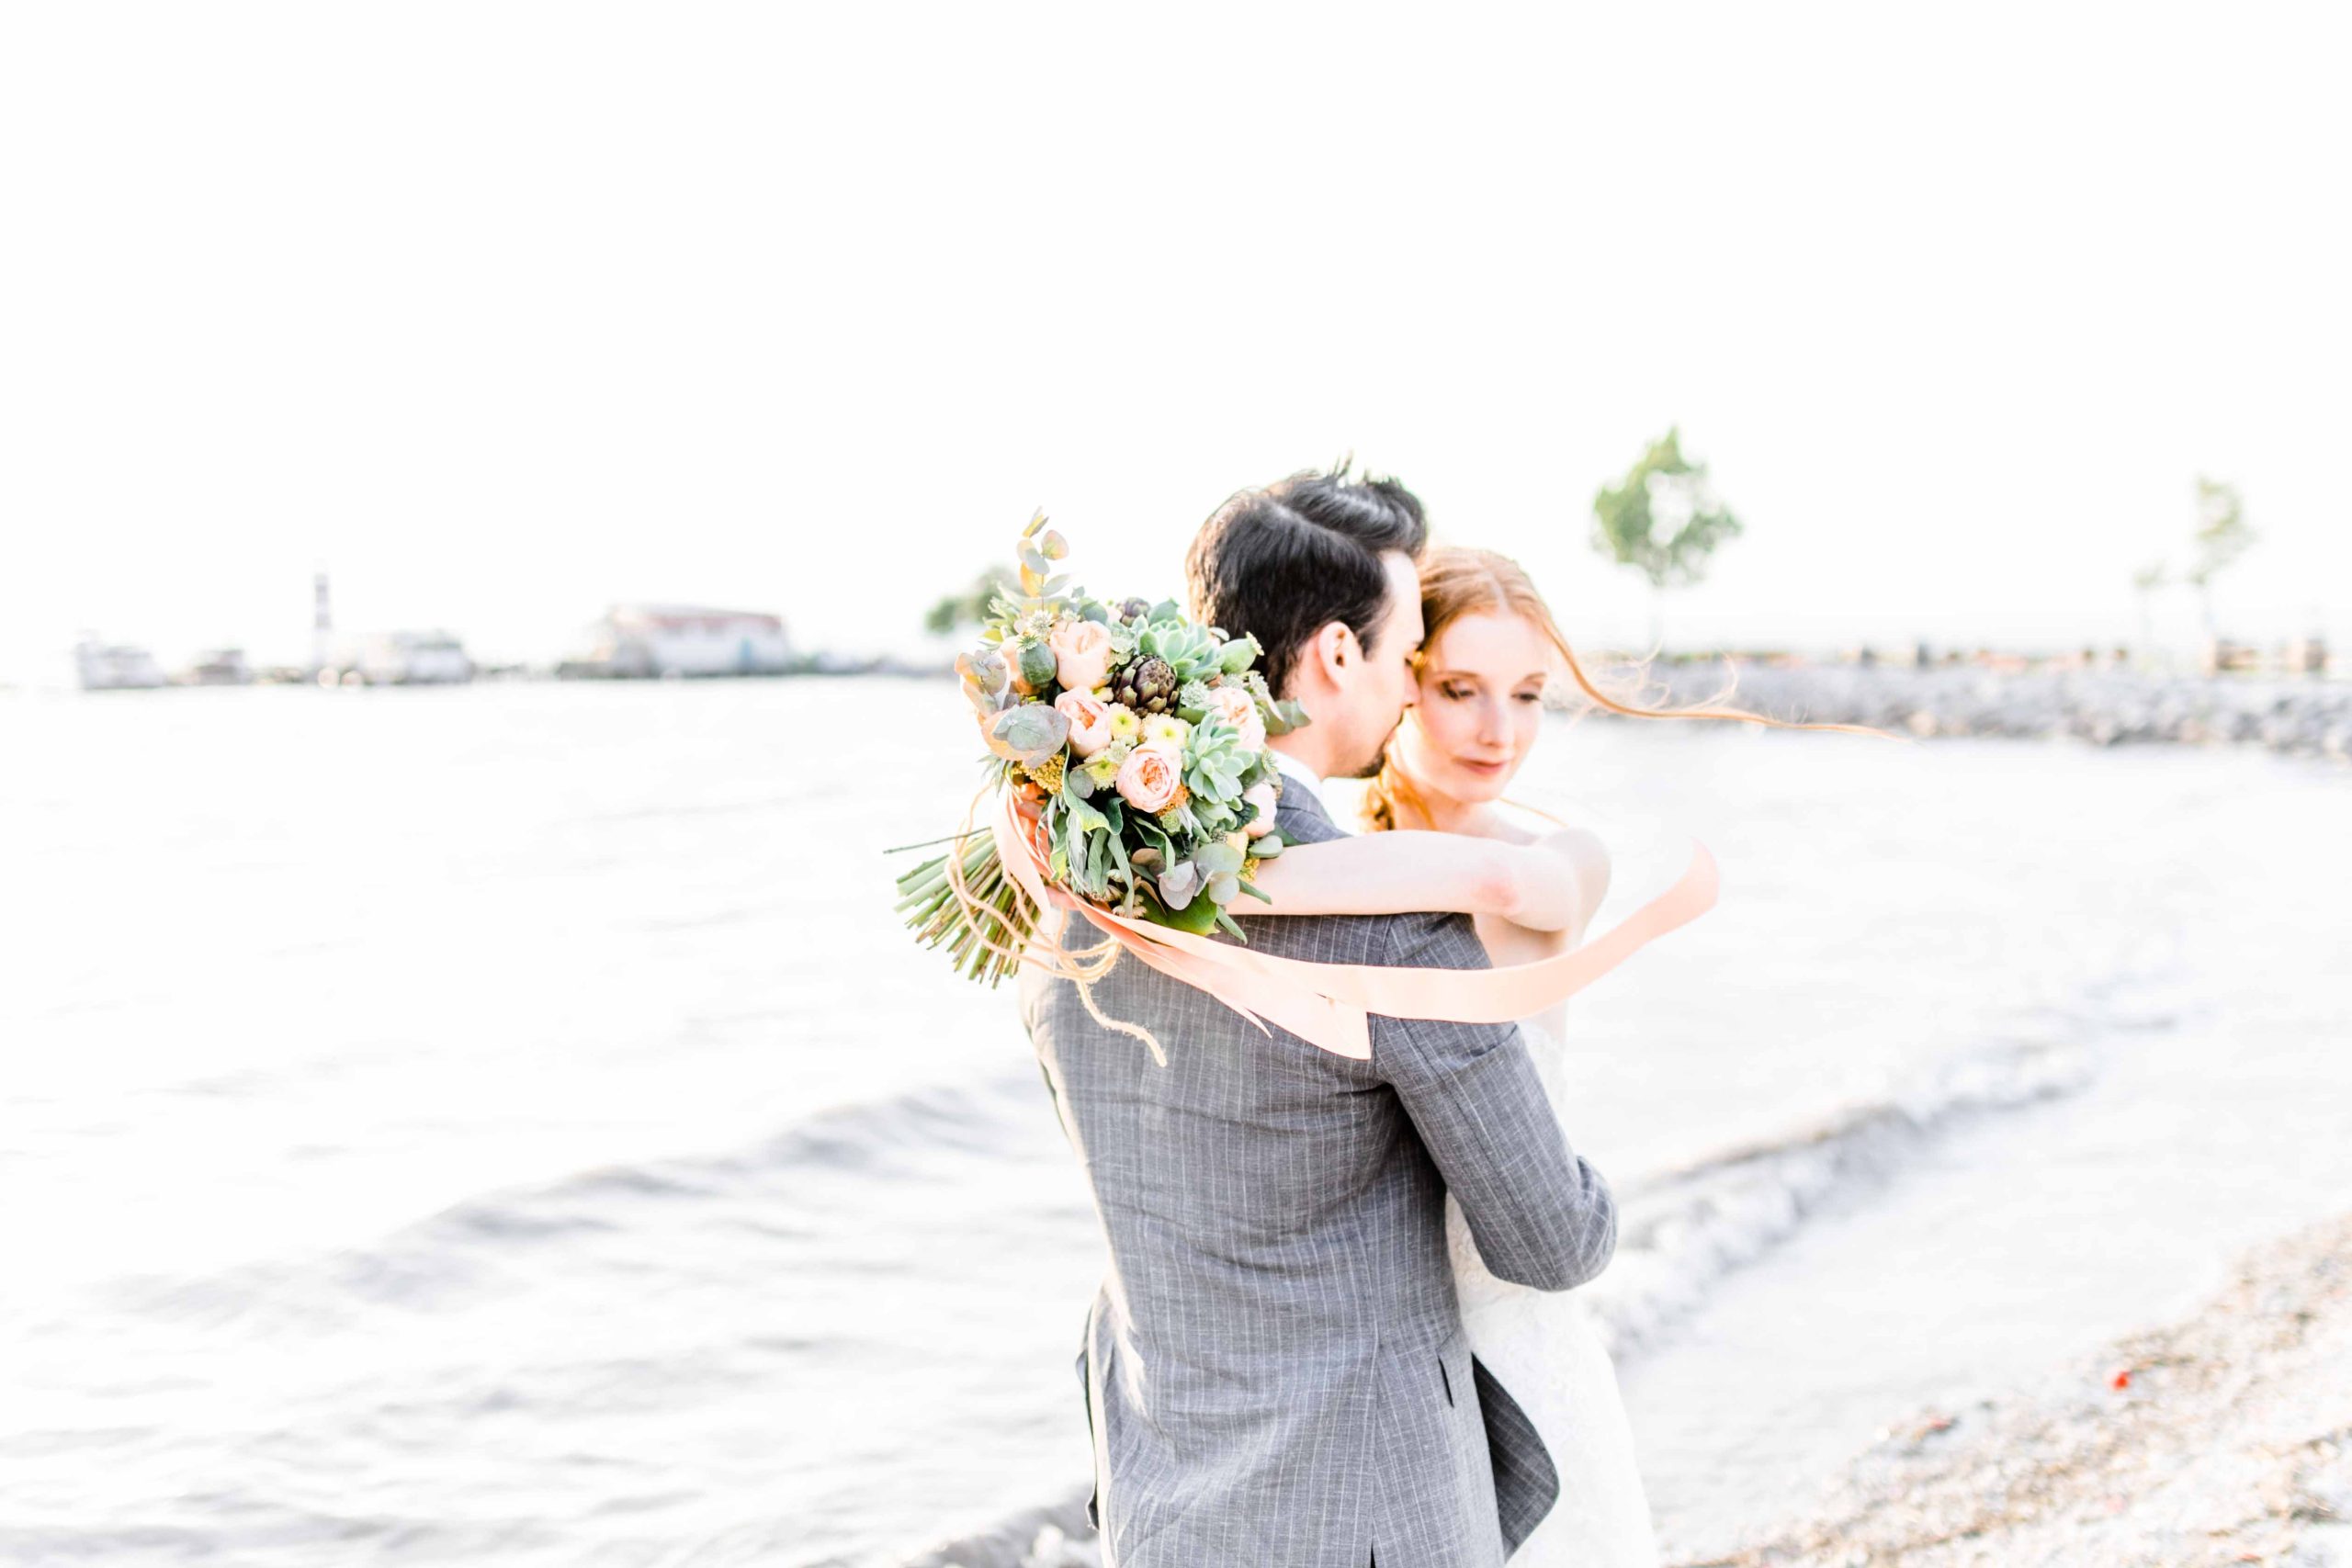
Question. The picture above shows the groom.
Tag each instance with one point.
(1276, 1373)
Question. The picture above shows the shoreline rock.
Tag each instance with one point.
(2220, 1440)
(2297, 717)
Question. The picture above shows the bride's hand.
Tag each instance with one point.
(1555, 882)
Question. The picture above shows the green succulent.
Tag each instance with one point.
(1216, 760)
(1191, 651)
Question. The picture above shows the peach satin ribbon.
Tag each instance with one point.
(1327, 1004)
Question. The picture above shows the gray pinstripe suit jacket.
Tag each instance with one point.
(1275, 1368)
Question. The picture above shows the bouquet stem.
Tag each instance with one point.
(964, 899)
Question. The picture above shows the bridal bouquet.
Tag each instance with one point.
(1133, 742)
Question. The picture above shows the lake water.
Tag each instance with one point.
(506, 1125)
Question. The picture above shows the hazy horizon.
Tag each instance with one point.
(502, 315)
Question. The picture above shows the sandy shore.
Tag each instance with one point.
(2224, 1438)
(2300, 716)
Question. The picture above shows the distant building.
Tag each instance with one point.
(220, 667)
(114, 667)
(398, 658)
(680, 640)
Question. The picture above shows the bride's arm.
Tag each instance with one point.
(1549, 885)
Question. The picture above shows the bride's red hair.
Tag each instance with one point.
(1457, 581)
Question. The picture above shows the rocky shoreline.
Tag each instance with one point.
(2222, 1439)
(2298, 715)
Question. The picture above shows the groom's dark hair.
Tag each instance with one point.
(1278, 561)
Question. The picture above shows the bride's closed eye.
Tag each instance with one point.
(1454, 691)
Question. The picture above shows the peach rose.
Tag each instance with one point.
(1240, 709)
(1151, 779)
(1264, 797)
(1090, 721)
(1081, 654)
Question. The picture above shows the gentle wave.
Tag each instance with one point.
(464, 1251)
(1681, 1231)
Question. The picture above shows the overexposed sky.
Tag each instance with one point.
(501, 312)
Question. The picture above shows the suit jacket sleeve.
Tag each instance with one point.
(1541, 1216)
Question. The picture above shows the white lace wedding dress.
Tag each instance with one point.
(1545, 1347)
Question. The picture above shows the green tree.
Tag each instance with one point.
(968, 608)
(1664, 520)
(2223, 536)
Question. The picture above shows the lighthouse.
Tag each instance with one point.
(321, 625)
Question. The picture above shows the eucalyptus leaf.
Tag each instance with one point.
(1217, 859)
(1287, 716)
(1179, 885)
(1028, 734)
(986, 671)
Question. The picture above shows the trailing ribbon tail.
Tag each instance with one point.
(1328, 1004)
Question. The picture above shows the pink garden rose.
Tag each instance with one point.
(1240, 709)
(1081, 654)
(1151, 779)
(1090, 721)
(1264, 796)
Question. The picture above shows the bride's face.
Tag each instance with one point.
(1479, 706)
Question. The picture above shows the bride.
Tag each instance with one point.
(1448, 841)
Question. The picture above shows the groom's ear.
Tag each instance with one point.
(1331, 652)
